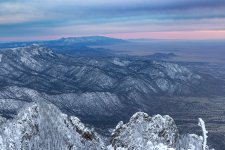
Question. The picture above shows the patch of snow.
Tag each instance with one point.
(119, 62)
(163, 84)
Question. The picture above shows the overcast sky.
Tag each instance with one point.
(164, 19)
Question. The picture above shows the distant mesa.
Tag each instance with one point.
(91, 40)
(84, 41)
(78, 46)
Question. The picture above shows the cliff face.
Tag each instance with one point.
(43, 126)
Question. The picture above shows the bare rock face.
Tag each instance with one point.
(43, 126)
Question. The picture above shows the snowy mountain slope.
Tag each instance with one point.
(92, 104)
(41, 69)
(81, 85)
(77, 84)
(96, 89)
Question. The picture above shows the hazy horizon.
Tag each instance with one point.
(141, 39)
(23, 20)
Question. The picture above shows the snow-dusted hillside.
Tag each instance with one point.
(77, 84)
(39, 68)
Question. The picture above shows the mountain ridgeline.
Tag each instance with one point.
(77, 84)
(81, 46)
(99, 90)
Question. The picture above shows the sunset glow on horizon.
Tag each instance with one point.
(173, 35)
(183, 35)
(26, 20)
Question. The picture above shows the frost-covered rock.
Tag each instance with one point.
(190, 142)
(143, 132)
(43, 126)
(201, 123)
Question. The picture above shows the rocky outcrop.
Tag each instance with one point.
(43, 126)
(143, 132)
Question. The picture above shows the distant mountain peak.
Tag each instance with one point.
(91, 40)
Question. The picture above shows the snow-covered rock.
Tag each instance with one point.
(201, 123)
(143, 132)
(190, 142)
(43, 126)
